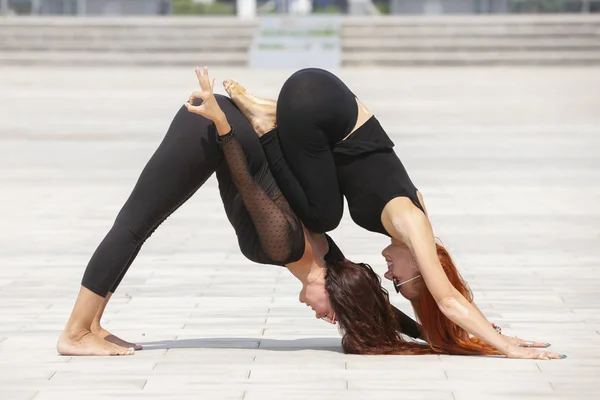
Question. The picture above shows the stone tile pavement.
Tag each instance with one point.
(508, 160)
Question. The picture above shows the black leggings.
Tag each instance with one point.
(188, 155)
(315, 109)
(315, 113)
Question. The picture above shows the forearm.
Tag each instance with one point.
(278, 229)
(477, 309)
(466, 315)
(222, 124)
(416, 229)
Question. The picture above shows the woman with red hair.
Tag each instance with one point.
(323, 144)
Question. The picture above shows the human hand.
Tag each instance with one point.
(209, 108)
(525, 343)
(529, 353)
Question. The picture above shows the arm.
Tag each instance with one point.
(273, 219)
(414, 229)
(277, 227)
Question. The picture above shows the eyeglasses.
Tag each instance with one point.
(398, 285)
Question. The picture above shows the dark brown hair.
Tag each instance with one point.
(364, 313)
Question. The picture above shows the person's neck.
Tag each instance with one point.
(312, 265)
(307, 271)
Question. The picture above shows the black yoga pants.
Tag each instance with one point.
(187, 156)
(315, 110)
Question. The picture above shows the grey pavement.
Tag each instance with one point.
(508, 160)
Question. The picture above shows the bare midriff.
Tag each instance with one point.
(363, 116)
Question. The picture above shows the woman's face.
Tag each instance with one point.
(402, 267)
(315, 296)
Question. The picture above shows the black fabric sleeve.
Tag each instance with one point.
(275, 222)
(407, 325)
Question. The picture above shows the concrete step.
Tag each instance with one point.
(465, 40)
(471, 44)
(94, 32)
(472, 20)
(200, 23)
(395, 58)
(187, 44)
(79, 58)
(470, 31)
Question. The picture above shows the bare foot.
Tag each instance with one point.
(256, 99)
(261, 113)
(85, 343)
(109, 337)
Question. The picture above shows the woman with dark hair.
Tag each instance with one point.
(199, 142)
(327, 145)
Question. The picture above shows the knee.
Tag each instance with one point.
(298, 89)
(136, 232)
(325, 221)
(332, 220)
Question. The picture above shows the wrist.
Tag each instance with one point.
(505, 347)
(222, 125)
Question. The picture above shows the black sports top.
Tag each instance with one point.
(370, 174)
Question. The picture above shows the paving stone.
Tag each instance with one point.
(507, 159)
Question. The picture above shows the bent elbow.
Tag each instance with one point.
(451, 307)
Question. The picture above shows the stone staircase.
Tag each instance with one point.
(125, 41)
(366, 41)
(472, 40)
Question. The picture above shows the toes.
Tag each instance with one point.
(226, 85)
(122, 351)
(126, 352)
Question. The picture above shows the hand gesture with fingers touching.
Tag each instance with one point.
(209, 108)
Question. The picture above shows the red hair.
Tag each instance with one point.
(443, 335)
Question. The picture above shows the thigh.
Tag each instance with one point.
(185, 159)
(308, 154)
(315, 109)
(316, 97)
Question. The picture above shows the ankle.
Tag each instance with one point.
(262, 129)
(75, 334)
